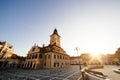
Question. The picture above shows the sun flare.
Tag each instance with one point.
(95, 54)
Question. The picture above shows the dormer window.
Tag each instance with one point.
(10, 47)
(3, 52)
(33, 49)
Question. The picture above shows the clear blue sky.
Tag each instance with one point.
(91, 25)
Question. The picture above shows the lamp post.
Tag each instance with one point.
(77, 49)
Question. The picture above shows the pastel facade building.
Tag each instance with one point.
(5, 48)
(51, 56)
(7, 57)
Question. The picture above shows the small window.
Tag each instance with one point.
(40, 56)
(48, 56)
(3, 52)
(10, 47)
(54, 56)
(60, 57)
(36, 56)
(57, 64)
(32, 56)
(57, 56)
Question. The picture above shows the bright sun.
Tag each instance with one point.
(95, 54)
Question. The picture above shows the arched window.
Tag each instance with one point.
(40, 56)
(34, 66)
(54, 56)
(54, 64)
(57, 56)
(60, 57)
(35, 56)
(32, 56)
(57, 64)
(48, 56)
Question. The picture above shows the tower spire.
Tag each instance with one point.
(55, 32)
(55, 38)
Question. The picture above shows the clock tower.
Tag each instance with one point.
(55, 38)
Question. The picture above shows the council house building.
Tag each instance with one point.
(51, 56)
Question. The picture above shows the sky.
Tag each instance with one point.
(93, 26)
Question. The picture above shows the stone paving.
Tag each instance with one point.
(70, 73)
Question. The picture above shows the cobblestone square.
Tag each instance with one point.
(70, 73)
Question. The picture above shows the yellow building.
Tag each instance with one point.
(51, 56)
(7, 58)
(5, 48)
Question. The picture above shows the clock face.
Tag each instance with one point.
(52, 42)
(53, 39)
